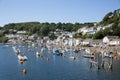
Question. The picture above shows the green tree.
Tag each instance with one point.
(44, 31)
(1, 34)
(107, 31)
(52, 36)
(98, 35)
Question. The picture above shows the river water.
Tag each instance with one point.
(56, 68)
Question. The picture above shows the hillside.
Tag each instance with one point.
(44, 29)
(110, 18)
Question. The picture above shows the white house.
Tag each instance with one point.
(81, 29)
(114, 42)
(107, 26)
(86, 42)
(111, 40)
(77, 41)
(99, 28)
(71, 42)
(97, 42)
(85, 30)
(21, 32)
(12, 36)
(92, 30)
(33, 37)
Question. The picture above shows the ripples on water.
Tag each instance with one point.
(57, 68)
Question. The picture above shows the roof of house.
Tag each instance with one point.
(87, 40)
(97, 40)
(113, 37)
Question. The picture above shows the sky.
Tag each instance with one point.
(65, 11)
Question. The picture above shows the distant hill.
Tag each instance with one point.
(42, 29)
(110, 18)
(109, 26)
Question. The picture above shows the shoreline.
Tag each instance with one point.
(98, 49)
(4, 43)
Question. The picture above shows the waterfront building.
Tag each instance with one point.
(111, 40)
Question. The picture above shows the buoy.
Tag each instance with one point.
(24, 71)
(41, 55)
(72, 58)
(47, 59)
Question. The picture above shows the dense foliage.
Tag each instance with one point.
(42, 29)
(114, 30)
(3, 39)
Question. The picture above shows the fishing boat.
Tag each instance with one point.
(17, 51)
(88, 54)
(107, 54)
(56, 52)
(39, 54)
(14, 48)
(22, 57)
(72, 57)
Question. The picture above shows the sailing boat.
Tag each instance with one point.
(72, 53)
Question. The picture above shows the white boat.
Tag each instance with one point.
(72, 57)
(87, 51)
(22, 57)
(88, 54)
(39, 54)
(14, 48)
(106, 54)
(17, 51)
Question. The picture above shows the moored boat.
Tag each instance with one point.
(22, 57)
(88, 54)
(72, 57)
(39, 54)
(108, 54)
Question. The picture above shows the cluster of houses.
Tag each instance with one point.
(65, 39)
(92, 30)
(106, 41)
